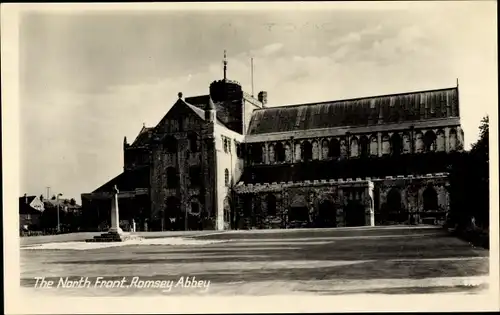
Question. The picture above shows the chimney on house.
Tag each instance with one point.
(25, 199)
(263, 97)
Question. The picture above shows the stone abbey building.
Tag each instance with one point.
(227, 160)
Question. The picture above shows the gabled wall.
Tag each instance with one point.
(179, 124)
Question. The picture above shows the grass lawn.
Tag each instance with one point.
(385, 260)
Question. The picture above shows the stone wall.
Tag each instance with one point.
(351, 202)
(304, 205)
(422, 200)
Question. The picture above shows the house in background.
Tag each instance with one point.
(65, 205)
(30, 211)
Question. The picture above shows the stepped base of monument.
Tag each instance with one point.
(113, 237)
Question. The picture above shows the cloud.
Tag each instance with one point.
(267, 50)
(355, 36)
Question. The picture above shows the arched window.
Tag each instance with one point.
(279, 152)
(406, 143)
(193, 142)
(419, 142)
(364, 146)
(315, 150)
(256, 153)
(386, 145)
(440, 141)
(288, 153)
(430, 141)
(374, 146)
(324, 149)
(226, 149)
(343, 148)
(453, 140)
(272, 155)
(226, 177)
(170, 144)
(306, 151)
(430, 199)
(334, 148)
(354, 147)
(396, 144)
(172, 178)
(271, 204)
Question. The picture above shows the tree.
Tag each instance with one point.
(480, 158)
(481, 147)
(53, 197)
(72, 201)
(469, 183)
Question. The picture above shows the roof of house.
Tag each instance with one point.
(200, 101)
(129, 180)
(356, 112)
(201, 112)
(24, 205)
(61, 202)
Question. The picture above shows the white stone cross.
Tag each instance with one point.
(115, 218)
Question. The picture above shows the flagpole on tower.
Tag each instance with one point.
(251, 65)
(225, 65)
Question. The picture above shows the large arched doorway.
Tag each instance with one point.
(327, 215)
(430, 199)
(430, 206)
(298, 214)
(354, 213)
(394, 208)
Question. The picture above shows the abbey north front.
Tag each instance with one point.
(227, 160)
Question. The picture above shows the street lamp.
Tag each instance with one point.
(57, 203)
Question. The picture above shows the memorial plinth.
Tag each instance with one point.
(115, 233)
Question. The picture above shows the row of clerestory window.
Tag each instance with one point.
(358, 147)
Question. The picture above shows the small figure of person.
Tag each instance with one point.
(133, 225)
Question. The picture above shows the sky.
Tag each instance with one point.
(87, 79)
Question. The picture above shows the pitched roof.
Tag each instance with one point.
(24, 205)
(143, 137)
(200, 101)
(198, 111)
(201, 112)
(129, 180)
(26, 199)
(357, 112)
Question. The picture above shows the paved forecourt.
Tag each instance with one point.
(387, 260)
